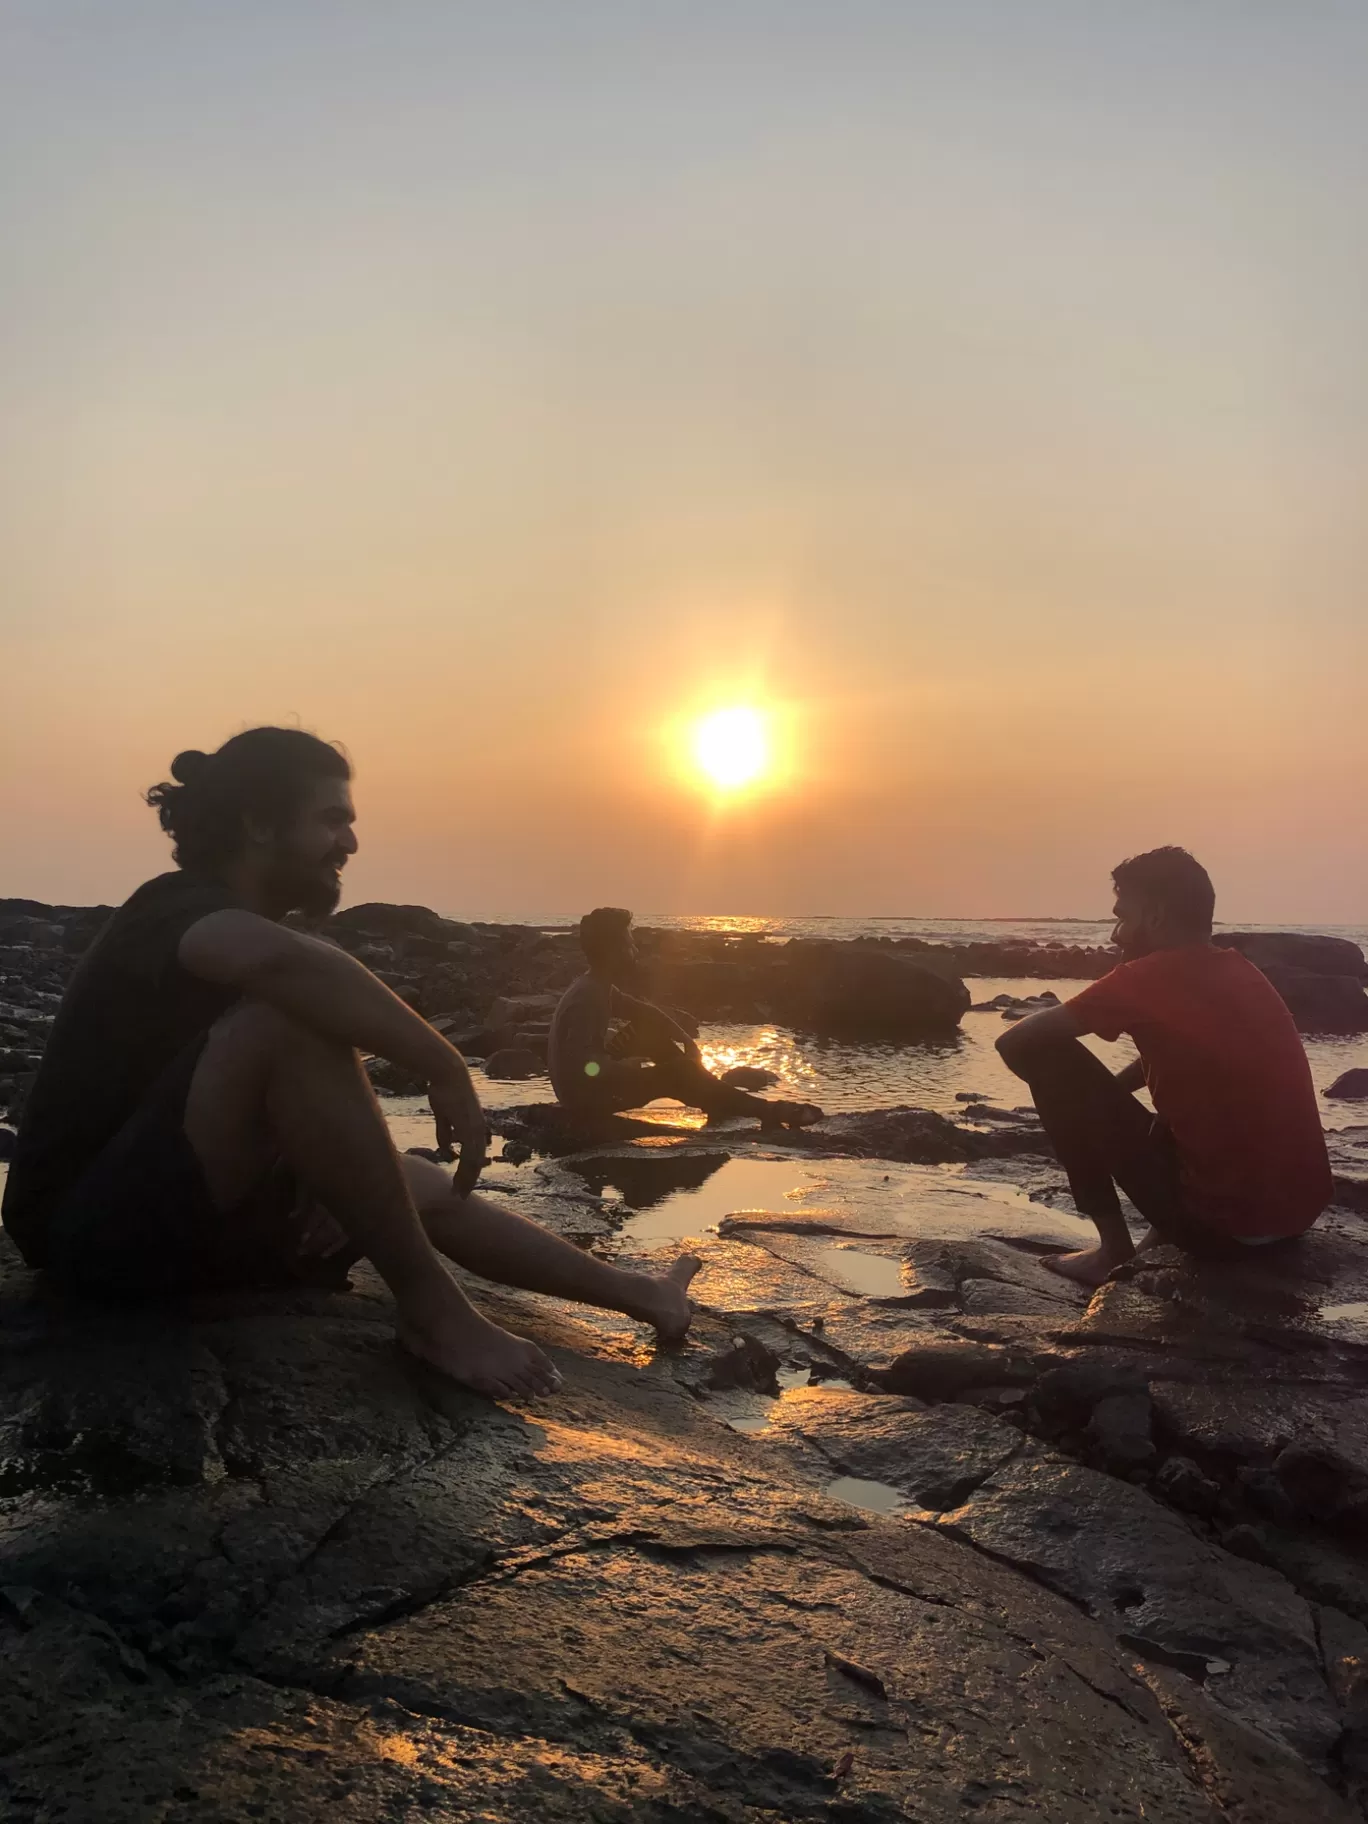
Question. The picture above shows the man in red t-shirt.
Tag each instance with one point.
(1235, 1157)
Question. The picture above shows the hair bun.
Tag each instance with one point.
(187, 767)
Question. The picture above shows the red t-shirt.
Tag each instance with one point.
(1226, 1069)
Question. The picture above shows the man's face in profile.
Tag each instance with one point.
(1134, 930)
(626, 965)
(307, 859)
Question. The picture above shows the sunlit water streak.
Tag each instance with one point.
(843, 1077)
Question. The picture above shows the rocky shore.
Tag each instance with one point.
(492, 987)
(909, 1529)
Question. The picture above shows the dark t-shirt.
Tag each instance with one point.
(128, 1013)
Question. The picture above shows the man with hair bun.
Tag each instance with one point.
(201, 1118)
(595, 1072)
(1234, 1157)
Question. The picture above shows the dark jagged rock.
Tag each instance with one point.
(549, 1128)
(746, 1363)
(1065, 1397)
(1320, 978)
(945, 1368)
(1296, 950)
(1182, 1485)
(392, 1080)
(1120, 1429)
(514, 1064)
(846, 988)
(379, 919)
(920, 1136)
(1352, 1086)
(1321, 1003)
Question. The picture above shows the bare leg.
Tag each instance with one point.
(1100, 1133)
(502, 1246)
(695, 1085)
(265, 1086)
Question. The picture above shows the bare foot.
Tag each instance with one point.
(466, 1347)
(1086, 1267)
(663, 1300)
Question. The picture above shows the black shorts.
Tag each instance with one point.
(140, 1222)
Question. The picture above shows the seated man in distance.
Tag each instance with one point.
(596, 1071)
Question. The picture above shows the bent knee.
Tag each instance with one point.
(256, 1028)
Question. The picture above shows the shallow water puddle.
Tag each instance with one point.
(790, 1377)
(1345, 1314)
(733, 1184)
(873, 1275)
(873, 1497)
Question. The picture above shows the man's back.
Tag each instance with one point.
(1228, 1075)
(579, 1028)
(129, 1011)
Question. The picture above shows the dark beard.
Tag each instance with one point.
(318, 895)
(313, 891)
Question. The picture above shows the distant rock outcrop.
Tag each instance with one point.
(1320, 978)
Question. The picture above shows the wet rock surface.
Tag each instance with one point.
(911, 1528)
(1102, 1559)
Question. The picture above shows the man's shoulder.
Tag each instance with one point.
(586, 989)
(1176, 962)
(173, 891)
(154, 916)
(1202, 971)
(587, 1001)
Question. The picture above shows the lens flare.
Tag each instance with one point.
(731, 748)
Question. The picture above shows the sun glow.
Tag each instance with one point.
(731, 748)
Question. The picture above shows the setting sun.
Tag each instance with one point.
(731, 747)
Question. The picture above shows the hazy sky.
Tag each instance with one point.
(492, 386)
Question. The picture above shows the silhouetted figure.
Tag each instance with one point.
(1235, 1157)
(599, 1071)
(201, 1117)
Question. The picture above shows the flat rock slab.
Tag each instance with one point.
(756, 1673)
(256, 1565)
(936, 1456)
(1174, 1598)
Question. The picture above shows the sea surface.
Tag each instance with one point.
(930, 1073)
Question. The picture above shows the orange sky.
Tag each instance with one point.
(491, 388)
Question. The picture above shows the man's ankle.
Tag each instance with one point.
(1112, 1231)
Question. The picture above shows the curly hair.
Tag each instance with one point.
(1173, 882)
(263, 773)
(601, 932)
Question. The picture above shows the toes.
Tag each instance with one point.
(542, 1374)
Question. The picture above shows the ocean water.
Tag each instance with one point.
(931, 1073)
(934, 930)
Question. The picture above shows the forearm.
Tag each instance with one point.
(323, 988)
(1132, 1077)
(649, 1018)
(1022, 1045)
